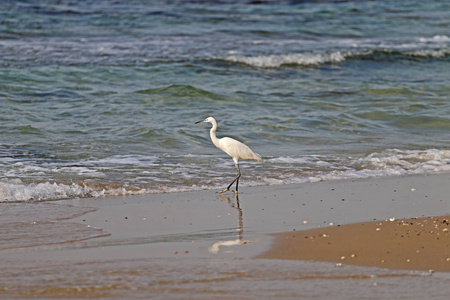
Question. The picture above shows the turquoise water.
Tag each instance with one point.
(100, 97)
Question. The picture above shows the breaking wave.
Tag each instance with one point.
(314, 59)
(302, 59)
(274, 171)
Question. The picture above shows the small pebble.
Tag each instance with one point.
(413, 190)
(175, 252)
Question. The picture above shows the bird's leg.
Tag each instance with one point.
(235, 180)
(228, 188)
(237, 183)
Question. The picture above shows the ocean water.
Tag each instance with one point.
(100, 97)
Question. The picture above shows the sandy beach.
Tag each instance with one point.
(108, 180)
(203, 245)
(416, 244)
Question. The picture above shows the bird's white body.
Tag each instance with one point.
(236, 149)
(232, 147)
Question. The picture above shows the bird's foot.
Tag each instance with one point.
(226, 190)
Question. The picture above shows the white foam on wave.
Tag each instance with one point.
(438, 50)
(391, 162)
(408, 162)
(435, 39)
(290, 160)
(15, 190)
(182, 177)
(92, 168)
(436, 53)
(138, 160)
(302, 59)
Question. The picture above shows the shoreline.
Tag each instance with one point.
(199, 243)
(261, 212)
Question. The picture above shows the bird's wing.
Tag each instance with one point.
(237, 149)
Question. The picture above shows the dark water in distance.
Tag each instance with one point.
(100, 97)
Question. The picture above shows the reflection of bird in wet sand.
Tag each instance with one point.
(215, 248)
(233, 148)
(238, 208)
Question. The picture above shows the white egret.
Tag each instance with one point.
(233, 148)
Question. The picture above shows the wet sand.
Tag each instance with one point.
(203, 245)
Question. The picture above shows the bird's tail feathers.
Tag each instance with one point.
(257, 157)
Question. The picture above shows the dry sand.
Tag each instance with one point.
(418, 244)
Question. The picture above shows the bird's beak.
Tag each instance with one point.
(198, 122)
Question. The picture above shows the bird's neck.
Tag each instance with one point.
(212, 133)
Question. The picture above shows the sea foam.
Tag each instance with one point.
(184, 176)
(315, 59)
(16, 191)
(302, 59)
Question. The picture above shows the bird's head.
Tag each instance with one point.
(207, 120)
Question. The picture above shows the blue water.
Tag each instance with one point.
(100, 97)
